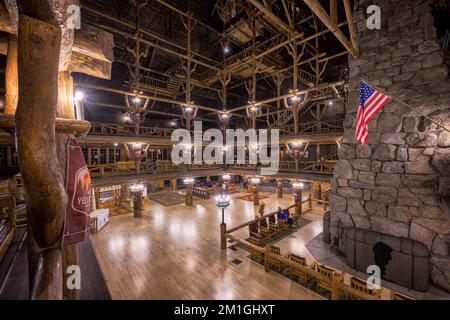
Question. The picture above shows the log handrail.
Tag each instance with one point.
(243, 225)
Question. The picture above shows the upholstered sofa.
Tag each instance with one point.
(7, 222)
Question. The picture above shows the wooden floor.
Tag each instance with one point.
(174, 253)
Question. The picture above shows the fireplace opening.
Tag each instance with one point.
(383, 255)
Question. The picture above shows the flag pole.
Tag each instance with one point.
(407, 105)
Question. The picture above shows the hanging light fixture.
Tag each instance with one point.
(298, 185)
(79, 96)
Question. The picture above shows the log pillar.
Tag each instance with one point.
(279, 190)
(298, 200)
(223, 238)
(11, 76)
(137, 203)
(46, 199)
(189, 196)
(255, 195)
(173, 184)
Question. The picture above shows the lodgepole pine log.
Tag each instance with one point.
(38, 61)
(11, 76)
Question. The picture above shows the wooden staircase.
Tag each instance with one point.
(283, 119)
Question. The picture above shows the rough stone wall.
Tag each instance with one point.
(393, 184)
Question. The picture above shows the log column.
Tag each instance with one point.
(38, 62)
(255, 194)
(279, 190)
(298, 201)
(11, 76)
(189, 196)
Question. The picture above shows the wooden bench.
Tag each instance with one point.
(328, 274)
(361, 285)
(272, 261)
(297, 272)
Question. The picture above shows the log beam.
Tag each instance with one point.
(320, 12)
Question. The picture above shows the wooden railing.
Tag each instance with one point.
(310, 166)
(325, 126)
(336, 282)
(128, 130)
(129, 167)
(117, 169)
(169, 166)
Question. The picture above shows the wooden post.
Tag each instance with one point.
(137, 203)
(223, 238)
(266, 258)
(279, 190)
(173, 184)
(37, 146)
(310, 201)
(11, 76)
(298, 200)
(255, 195)
(189, 197)
(336, 286)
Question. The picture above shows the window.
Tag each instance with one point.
(102, 156)
(114, 155)
(94, 156)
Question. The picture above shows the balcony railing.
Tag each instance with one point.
(305, 166)
(128, 130)
(129, 168)
(326, 126)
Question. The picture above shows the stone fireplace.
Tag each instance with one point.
(401, 260)
(391, 190)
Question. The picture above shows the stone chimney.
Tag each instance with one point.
(394, 184)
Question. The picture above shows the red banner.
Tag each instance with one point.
(78, 186)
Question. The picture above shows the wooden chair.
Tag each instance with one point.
(264, 229)
(282, 222)
(399, 296)
(273, 261)
(328, 273)
(255, 236)
(297, 271)
(256, 255)
(361, 285)
(273, 223)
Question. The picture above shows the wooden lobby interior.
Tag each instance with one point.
(94, 205)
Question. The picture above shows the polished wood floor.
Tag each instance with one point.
(174, 253)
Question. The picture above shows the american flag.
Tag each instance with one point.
(370, 103)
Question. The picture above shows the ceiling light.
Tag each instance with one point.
(137, 100)
(79, 96)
